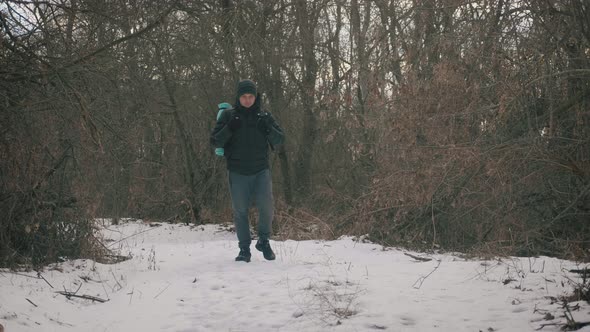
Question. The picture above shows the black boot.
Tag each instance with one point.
(264, 246)
(244, 255)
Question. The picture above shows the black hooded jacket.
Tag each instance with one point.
(246, 149)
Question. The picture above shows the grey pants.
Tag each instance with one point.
(247, 188)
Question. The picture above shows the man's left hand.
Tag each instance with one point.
(265, 122)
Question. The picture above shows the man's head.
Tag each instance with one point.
(247, 93)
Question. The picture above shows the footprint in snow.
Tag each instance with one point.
(407, 321)
(519, 310)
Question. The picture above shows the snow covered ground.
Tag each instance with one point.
(184, 278)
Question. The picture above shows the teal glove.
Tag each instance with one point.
(222, 107)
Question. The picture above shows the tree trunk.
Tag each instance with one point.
(306, 24)
(229, 51)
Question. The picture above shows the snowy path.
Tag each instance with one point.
(184, 279)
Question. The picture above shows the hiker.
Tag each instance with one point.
(246, 133)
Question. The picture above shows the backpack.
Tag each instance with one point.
(221, 107)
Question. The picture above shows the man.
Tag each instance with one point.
(245, 132)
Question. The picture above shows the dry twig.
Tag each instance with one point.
(42, 277)
(162, 291)
(418, 258)
(31, 302)
(87, 297)
(421, 280)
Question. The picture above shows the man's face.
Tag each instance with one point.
(247, 100)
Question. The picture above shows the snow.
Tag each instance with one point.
(183, 278)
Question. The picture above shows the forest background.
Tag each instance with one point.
(456, 125)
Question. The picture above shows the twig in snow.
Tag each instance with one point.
(418, 258)
(130, 236)
(22, 274)
(104, 288)
(76, 292)
(131, 297)
(87, 297)
(421, 280)
(117, 281)
(568, 315)
(42, 277)
(58, 322)
(162, 291)
(31, 302)
(547, 324)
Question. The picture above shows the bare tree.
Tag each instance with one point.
(307, 17)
